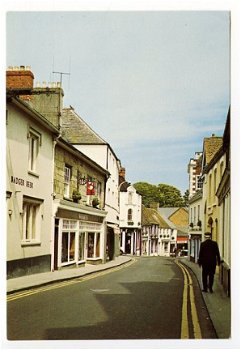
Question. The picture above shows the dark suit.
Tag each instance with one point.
(209, 257)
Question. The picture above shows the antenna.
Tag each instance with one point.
(61, 74)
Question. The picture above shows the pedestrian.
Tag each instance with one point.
(209, 257)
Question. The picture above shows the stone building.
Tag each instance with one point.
(79, 218)
(76, 131)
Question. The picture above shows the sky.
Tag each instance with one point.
(152, 84)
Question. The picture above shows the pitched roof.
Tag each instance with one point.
(211, 145)
(166, 213)
(151, 216)
(76, 130)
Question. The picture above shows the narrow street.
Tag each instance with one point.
(151, 298)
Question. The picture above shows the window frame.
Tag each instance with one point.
(31, 221)
(68, 178)
(35, 141)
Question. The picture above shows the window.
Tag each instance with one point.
(31, 221)
(67, 176)
(81, 246)
(129, 215)
(34, 143)
(93, 245)
(68, 246)
(68, 241)
(130, 197)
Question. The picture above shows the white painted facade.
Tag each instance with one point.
(195, 229)
(130, 220)
(30, 165)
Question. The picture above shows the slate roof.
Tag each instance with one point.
(151, 216)
(75, 130)
(211, 146)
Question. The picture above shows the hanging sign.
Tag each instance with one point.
(90, 188)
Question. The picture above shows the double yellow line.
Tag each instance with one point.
(185, 319)
(66, 283)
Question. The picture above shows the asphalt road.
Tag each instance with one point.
(144, 300)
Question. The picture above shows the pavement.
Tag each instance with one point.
(218, 304)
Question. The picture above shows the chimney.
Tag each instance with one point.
(122, 175)
(19, 78)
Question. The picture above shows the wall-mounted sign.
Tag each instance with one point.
(21, 182)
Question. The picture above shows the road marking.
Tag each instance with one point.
(195, 322)
(26, 293)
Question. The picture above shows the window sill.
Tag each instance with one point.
(30, 243)
(33, 173)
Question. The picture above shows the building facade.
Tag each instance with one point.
(30, 141)
(195, 225)
(194, 171)
(81, 136)
(130, 219)
(79, 219)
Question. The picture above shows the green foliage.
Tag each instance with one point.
(186, 198)
(165, 195)
(149, 192)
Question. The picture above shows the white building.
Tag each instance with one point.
(79, 133)
(158, 236)
(194, 171)
(195, 225)
(30, 151)
(130, 219)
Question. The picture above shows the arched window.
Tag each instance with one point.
(129, 215)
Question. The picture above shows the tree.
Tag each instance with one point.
(169, 196)
(165, 195)
(186, 198)
(148, 192)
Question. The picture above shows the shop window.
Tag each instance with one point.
(68, 240)
(93, 245)
(81, 246)
(31, 221)
(68, 246)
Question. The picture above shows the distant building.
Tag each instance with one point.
(194, 171)
(130, 218)
(195, 225)
(178, 217)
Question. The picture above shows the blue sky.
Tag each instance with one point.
(153, 84)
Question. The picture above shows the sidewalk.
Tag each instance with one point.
(218, 303)
(38, 279)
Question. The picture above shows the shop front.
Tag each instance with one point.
(79, 235)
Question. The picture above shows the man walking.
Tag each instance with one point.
(209, 257)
